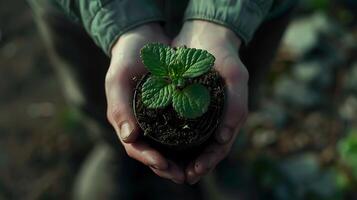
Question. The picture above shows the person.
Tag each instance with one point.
(95, 47)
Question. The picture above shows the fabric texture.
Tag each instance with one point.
(106, 20)
(241, 16)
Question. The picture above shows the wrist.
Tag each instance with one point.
(149, 30)
(218, 31)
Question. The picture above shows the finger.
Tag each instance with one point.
(236, 110)
(173, 172)
(224, 134)
(119, 92)
(207, 161)
(191, 176)
(143, 153)
(233, 119)
(214, 154)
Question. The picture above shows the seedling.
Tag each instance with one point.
(171, 80)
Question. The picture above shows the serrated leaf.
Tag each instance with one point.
(192, 101)
(195, 62)
(156, 92)
(157, 58)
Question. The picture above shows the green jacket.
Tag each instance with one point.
(106, 20)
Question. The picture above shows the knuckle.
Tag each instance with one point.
(116, 73)
(115, 114)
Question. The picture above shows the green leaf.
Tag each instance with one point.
(156, 92)
(347, 148)
(195, 61)
(157, 58)
(192, 101)
(164, 62)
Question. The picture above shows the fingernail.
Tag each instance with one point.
(155, 167)
(152, 162)
(125, 130)
(225, 135)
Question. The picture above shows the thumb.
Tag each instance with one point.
(236, 111)
(119, 112)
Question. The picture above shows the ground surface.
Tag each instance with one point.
(39, 152)
(301, 143)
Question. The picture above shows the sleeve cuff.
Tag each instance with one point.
(243, 17)
(117, 17)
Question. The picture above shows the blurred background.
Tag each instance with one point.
(301, 143)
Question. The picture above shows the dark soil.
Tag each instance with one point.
(167, 128)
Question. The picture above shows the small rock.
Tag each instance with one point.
(348, 110)
(296, 94)
(307, 71)
(308, 178)
(275, 114)
(324, 185)
(302, 34)
(301, 168)
(313, 73)
(263, 138)
(255, 120)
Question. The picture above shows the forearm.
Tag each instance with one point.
(211, 31)
(106, 22)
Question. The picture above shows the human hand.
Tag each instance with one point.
(119, 86)
(224, 45)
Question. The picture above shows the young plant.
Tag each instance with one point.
(170, 71)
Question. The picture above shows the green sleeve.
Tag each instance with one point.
(242, 16)
(106, 20)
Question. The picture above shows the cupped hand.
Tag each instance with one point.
(224, 45)
(119, 86)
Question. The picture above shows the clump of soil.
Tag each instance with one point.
(167, 128)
